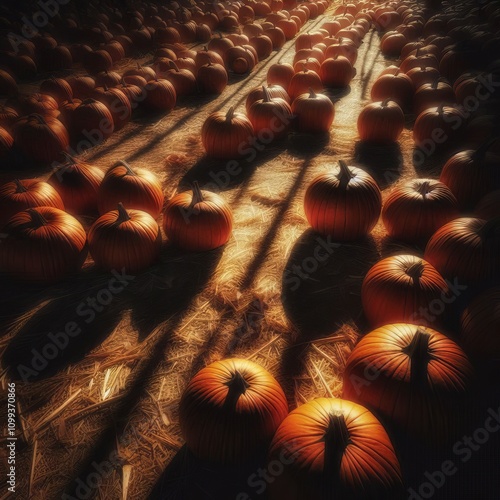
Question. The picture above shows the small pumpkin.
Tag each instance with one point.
(94, 118)
(137, 189)
(211, 78)
(381, 122)
(314, 113)
(280, 74)
(302, 82)
(333, 448)
(160, 95)
(344, 203)
(397, 288)
(42, 244)
(414, 377)
(414, 211)
(183, 80)
(122, 238)
(57, 88)
(230, 411)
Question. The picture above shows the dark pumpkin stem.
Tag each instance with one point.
(418, 352)
(123, 215)
(37, 217)
(39, 118)
(423, 189)
(385, 102)
(19, 186)
(230, 114)
(480, 152)
(237, 386)
(173, 66)
(123, 163)
(415, 271)
(345, 174)
(267, 97)
(336, 440)
(312, 94)
(197, 194)
(489, 228)
(440, 108)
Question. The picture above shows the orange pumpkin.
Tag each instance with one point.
(336, 72)
(381, 122)
(488, 206)
(344, 203)
(257, 94)
(280, 74)
(397, 87)
(313, 112)
(411, 376)
(333, 448)
(160, 95)
(211, 78)
(398, 288)
(430, 95)
(197, 221)
(302, 82)
(230, 411)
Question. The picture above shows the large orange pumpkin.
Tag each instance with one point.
(403, 288)
(226, 135)
(411, 376)
(332, 448)
(42, 244)
(414, 211)
(397, 87)
(135, 188)
(344, 203)
(302, 82)
(466, 249)
(381, 122)
(230, 410)
(197, 221)
(313, 112)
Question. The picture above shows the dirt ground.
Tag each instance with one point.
(116, 386)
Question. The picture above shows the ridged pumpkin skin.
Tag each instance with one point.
(302, 82)
(414, 211)
(411, 376)
(332, 448)
(225, 135)
(398, 87)
(480, 326)
(230, 410)
(121, 238)
(488, 206)
(467, 249)
(43, 244)
(344, 203)
(198, 221)
(257, 94)
(136, 188)
(20, 195)
(77, 183)
(396, 288)
(314, 113)
(381, 122)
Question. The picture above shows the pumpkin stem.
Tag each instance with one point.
(237, 385)
(19, 186)
(39, 118)
(385, 102)
(336, 440)
(37, 217)
(440, 108)
(197, 194)
(123, 215)
(418, 352)
(415, 271)
(267, 97)
(480, 152)
(230, 114)
(173, 66)
(345, 174)
(489, 228)
(423, 188)
(312, 94)
(126, 165)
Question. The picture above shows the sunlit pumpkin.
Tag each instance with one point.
(344, 203)
(197, 221)
(333, 448)
(414, 211)
(136, 188)
(257, 94)
(160, 95)
(117, 103)
(381, 122)
(336, 72)
(397, 87)
(414, 377)
(42, 244)
(398, 288)
(430, 95)
(313, 112)
(280, 74)
(211, 78)
(58, 88)
(230, 411)
(183, 80)
(302, 82)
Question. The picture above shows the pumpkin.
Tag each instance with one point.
(466, 249)
(344, 203)
(430, 95)
(137, 189)
(8, 116)
(412, 376)
(42, 244)
(488, 206)
(422, 75)
(398, 288)
(225, 134)
(41, 104)
(6, 144)
(8, 86)
(183, 81)
(333, 448)
(230, 411)
(303, 82)
(392, 43)
(43, 139)
(211, 78)
(206, 56)
(77, 183)
(336, 72)
(122, 238)
(92, 118)
(197, 221)
(19, 195)
(220, 45)
(117, 103)
(480, 326)
(381, 122)
(108, 79)
(342, 47)
(57, 88)
(472, 174)
(257, 93)
(240, 60)
(146, 72)
(414, 211)
(82, 86)
(96, 61)
(313, 112)
(397, 87)
(442, 126)
(280, 74)
(262, 45)
(160, 95)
